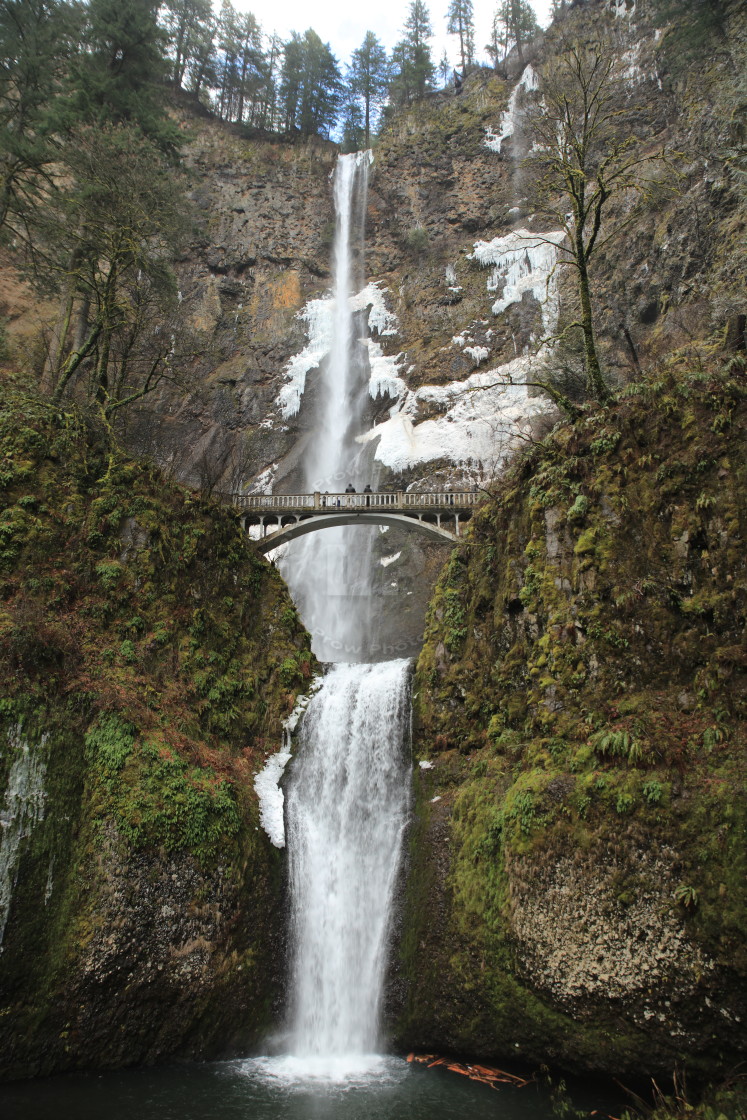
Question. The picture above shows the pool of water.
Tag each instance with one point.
(278, 1089)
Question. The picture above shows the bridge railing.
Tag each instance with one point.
(269, 503)
(442, 498)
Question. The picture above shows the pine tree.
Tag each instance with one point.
(202, 69)
(266, 109)
(444, 69)
(518, 25)
(119, 76)
(38, 38)
(310, 85)
(497, 48)
(368, 79)
(353, 128)
(186, 23)
(110, 235)
(460, 22)
(229, 46)
(251, 64)
(413, 69)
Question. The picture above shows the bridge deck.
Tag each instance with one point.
(443, 502)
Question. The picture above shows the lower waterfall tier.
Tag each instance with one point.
(346, 812)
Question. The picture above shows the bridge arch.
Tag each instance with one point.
(302, 526)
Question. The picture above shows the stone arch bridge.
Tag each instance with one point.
(283, 517)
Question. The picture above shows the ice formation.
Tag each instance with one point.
(482, 416)
(622, 8)
(524, 262)
(319, 314)
(509, 120)
(23, 808)
(267, 782)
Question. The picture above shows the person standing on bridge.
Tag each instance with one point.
(349, 489)
(367, 491)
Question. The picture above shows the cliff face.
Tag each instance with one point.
(577, 887)
(148, 658)
(447, 174)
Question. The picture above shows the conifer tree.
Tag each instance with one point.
(241, 63)
(310, 85)
(514, 24)
(202, 71)
(413, 69)
(368, 79)
(119, 75)
(187, 23)
(110, 235)
(37, 41)
(353, 129)
(460, 22)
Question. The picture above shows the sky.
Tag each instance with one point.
(344, 23)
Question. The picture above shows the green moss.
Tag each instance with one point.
(141, 633)
(598, 688)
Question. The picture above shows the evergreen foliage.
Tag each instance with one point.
(310, 85)
(110, 237)
(514, 25)
(118, 75)
(188, 25)
(413, 71)
(460, 22)
(37, 40)
(368, 81)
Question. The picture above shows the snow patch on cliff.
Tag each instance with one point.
(263, 482)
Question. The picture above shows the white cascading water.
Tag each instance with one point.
(329, 573)
(346, 809)
(347, 799)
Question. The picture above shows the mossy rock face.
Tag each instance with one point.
(581, 697)
(148, 657)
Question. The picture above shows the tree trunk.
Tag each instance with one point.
(595, 382)
(73, 362)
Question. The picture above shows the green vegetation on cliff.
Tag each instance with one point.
(582, 696)
(148, 657)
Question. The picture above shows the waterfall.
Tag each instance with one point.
(23, 808)
(329, 573)
(347, 807)
(347, 795)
